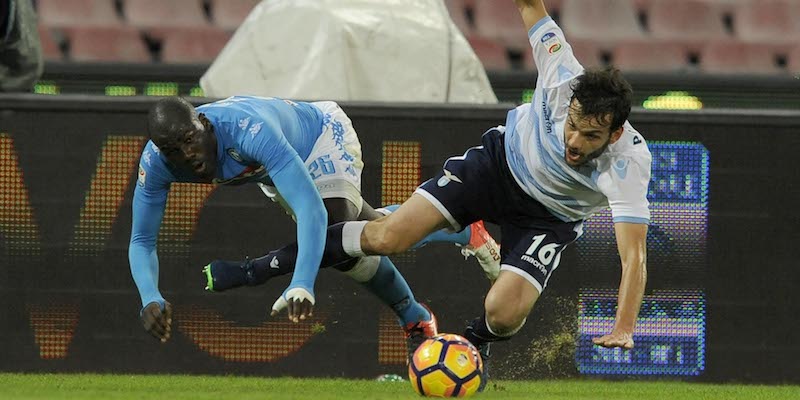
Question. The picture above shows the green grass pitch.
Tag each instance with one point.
(177, 387)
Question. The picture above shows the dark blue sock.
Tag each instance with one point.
(281, 261)
(479, 334)
(390, 286)
(460, 238)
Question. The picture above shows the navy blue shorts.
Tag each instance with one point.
(479, 186)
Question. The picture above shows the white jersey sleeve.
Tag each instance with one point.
(625, 177)
(552, 54)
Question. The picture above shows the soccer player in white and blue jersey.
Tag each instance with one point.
(305, 156)
(561, 158)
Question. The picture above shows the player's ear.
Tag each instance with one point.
(204, 120)
(616, 134)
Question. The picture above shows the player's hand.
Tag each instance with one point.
(298, 302)
(158, 321)
(615, 339)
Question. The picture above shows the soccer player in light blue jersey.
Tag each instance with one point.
(305, 156)
(559, 159)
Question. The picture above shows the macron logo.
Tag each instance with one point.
(274, 263)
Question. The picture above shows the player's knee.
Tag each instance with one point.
(504, 325)
(505, 319)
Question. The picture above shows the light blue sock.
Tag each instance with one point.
(390, 286)
(460, 238)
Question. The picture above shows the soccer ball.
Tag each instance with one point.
(446, 365)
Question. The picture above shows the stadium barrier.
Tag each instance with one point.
(672, 91)
(721, 302)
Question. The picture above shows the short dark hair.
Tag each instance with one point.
(603, 92)
(169, 117)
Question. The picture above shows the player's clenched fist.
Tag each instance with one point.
(157, 320)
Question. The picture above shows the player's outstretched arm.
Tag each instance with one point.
(299, 191)
(532, 11)
(291, 177)
(632, 246)
(156, 313)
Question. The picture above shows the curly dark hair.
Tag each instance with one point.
(603, 93)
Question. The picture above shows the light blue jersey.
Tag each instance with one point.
(535, 145)
(259, 139)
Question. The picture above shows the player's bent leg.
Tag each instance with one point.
(441, 236)
(380, 277)
(508, 303)
(224, 275)
(370, 214)
(343, 245)
(507, 306)
(400, 230)
(340, 210)
(474, 240)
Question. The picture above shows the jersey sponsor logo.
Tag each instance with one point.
(274, 264)
(235, 155)
(142, 176)
(255, 128)
(535, 263)
(244, 122)
(621, 166)
(447, 178)
(155, 148)
(636, 140)
(551, 42)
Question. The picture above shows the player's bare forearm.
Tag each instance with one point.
(631, 291)
(631, 242)
(531, 11)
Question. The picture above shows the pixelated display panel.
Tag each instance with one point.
(679, 173)
(16, 216)
(223, 339)
(107, 190)
(184, 203)
(161, 89)
(391, 340)
(673, 100)
(120, 90)
(46, 87)
(401, 170)
(676, 237)
(53, 326)
(678, 198)
(401, 174)
(670, 334)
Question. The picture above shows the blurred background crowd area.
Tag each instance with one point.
(714, 36)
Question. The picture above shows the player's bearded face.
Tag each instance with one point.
(585, 138)
(193, 149)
